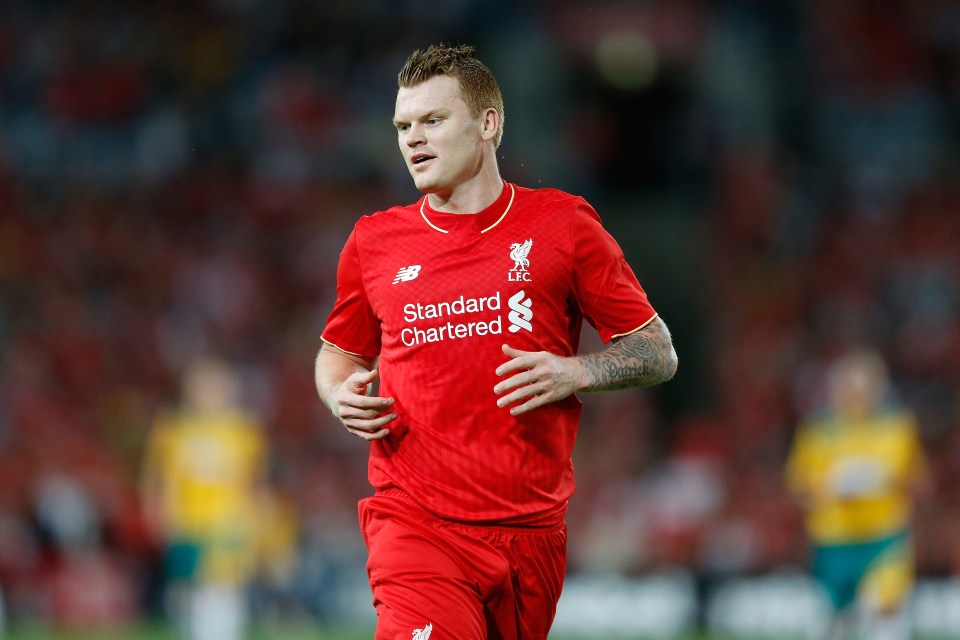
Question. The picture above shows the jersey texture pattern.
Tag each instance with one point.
(435, 295)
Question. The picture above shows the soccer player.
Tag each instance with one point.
(203, 490)
(467, 306)
(855, 469)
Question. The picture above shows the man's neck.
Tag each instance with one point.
(472, 196)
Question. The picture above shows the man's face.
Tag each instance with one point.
(439, 139)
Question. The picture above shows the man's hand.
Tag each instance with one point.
(361, 414)
(539, 378)
(640, 359)
(342, 381)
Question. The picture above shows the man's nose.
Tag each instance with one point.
(415, 135)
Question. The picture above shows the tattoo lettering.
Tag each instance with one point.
(640, 359)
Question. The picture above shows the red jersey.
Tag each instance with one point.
(435, 295)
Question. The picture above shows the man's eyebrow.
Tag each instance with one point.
(439, 111)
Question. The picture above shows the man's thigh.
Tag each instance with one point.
(538, 566)
(421, 582)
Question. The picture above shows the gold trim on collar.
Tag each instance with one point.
(426, 219)
(423, 214)
(513, 192)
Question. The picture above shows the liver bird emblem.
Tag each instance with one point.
(519, 253)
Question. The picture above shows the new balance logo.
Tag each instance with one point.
(406, 274)
(423, 634)
(520, 312)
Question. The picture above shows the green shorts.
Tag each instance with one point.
(879, 573)
(228, 560)
(181, 560)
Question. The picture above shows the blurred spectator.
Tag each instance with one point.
(204, 493)
(856, 467)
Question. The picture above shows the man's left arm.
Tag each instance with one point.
(640, 359)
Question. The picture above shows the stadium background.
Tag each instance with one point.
(178, 177)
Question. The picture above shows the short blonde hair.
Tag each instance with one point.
(478, 87)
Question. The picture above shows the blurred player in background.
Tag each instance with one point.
(203, 493)
(856, 469)
(467, 305)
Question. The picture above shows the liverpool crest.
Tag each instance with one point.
(520, 254)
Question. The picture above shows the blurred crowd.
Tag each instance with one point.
(178, 178)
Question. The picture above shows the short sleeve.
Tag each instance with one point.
(352, 326)
(607, 290)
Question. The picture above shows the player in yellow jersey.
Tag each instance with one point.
(856, 468)
(203, 489)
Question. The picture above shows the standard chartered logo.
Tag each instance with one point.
(463, 317)
(520, 312)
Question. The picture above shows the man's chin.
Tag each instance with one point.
(425, 185)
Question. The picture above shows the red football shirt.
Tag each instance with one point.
(435, 295)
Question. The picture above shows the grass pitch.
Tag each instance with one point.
(163, 632)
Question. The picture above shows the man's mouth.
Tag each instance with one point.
(420, 158)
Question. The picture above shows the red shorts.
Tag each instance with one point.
(433, 579)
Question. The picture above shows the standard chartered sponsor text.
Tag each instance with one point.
(411, 336)
(415, 311)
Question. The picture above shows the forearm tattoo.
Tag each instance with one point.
(640, 359)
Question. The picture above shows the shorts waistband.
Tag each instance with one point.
(399, 494)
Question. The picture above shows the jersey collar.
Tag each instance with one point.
(484, 221)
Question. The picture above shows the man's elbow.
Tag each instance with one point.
(664, 353)
(670, 363)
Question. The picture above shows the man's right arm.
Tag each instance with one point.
(343, 380)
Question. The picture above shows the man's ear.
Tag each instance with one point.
(489, 123)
